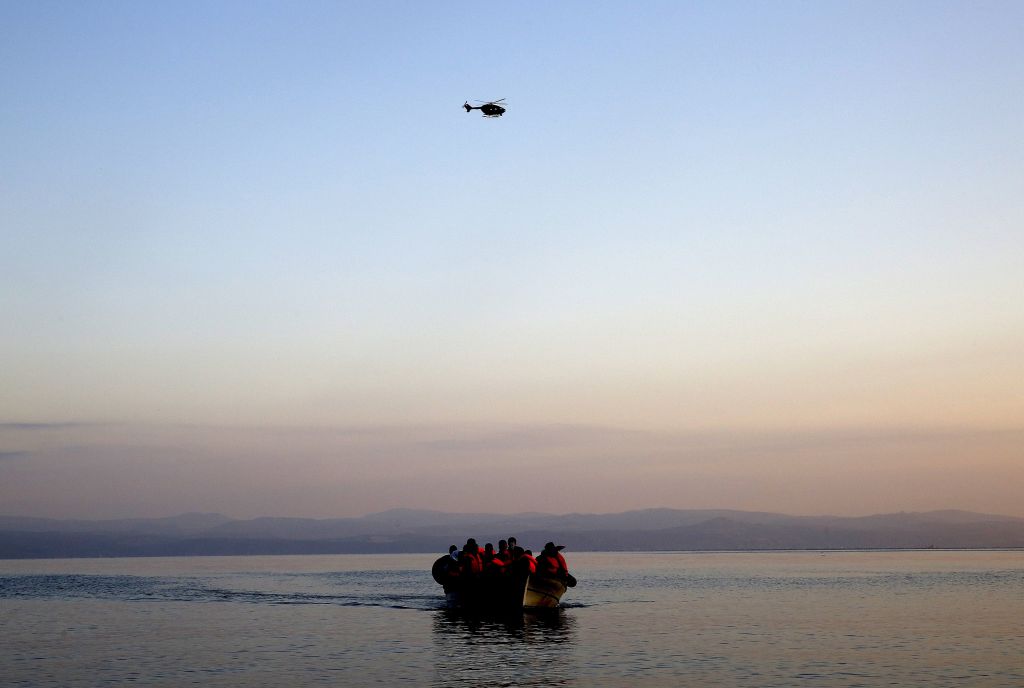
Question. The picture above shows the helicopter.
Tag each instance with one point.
(489, 109)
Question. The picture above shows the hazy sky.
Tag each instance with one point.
(256, 258)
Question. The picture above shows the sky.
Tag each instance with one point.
(257, 259)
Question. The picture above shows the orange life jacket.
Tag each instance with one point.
(471, 563)
(553, 566)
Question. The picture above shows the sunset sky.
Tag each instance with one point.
(257, 260)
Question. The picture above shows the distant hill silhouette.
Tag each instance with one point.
(407, 530)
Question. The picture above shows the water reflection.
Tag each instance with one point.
(528, 649)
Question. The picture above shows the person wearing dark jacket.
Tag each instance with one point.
(446, 569)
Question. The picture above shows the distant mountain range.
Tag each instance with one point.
(406, 530)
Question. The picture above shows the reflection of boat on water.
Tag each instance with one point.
(530, 649)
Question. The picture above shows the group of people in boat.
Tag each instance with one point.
(474, 562)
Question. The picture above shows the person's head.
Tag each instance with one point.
(511, 543)
(502, 545)
(517, 552)
(529, 552)
(453, 548)
(470, 543)
(551, 548)
(489, 548)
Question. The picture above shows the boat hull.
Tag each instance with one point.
(499, 593)
(543, 592)
(512, 593)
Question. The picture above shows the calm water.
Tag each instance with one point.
(681, 619)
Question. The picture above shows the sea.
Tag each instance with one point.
(877, 618)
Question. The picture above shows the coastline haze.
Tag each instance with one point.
(109, 471)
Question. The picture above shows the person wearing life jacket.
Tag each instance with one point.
(470, 559)
(520, 563)
(551, 563)
(503, 554)
(531, 562)
(488, 554)
(495, 567)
